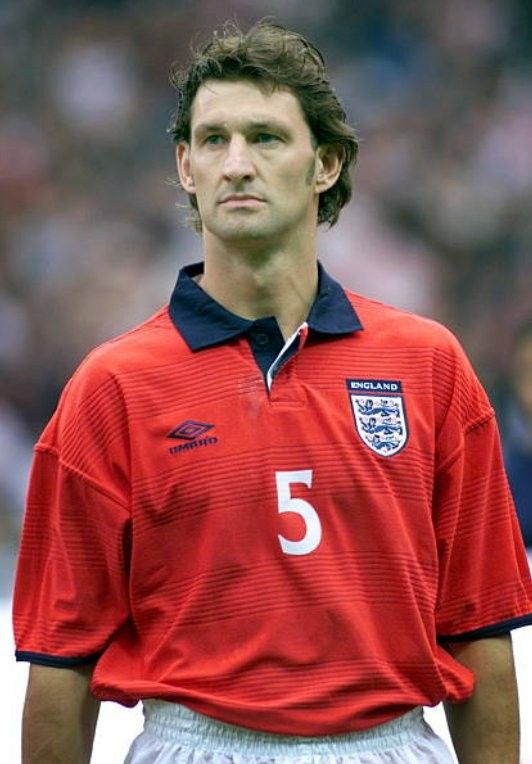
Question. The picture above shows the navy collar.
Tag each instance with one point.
(204, 322)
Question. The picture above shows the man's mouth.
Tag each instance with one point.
(242, 200)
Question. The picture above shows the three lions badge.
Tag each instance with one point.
(379, 414)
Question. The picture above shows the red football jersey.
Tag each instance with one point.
(286, 559)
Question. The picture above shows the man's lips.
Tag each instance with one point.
(242, 200)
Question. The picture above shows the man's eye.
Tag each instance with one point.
(214, 140)
(266, 138)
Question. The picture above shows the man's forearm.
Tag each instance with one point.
(60, 715)
(486, 727)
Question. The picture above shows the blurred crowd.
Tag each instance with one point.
(91, 234)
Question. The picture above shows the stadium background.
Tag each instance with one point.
(90, 236)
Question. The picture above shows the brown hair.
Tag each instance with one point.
(273, 57)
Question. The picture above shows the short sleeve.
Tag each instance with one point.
(71, 587)
(484, 576)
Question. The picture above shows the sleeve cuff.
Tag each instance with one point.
(495, 630)
(56, 661)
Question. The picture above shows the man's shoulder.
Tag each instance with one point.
(97, 394)
(135, 344)
(386, 323)
(141, 348)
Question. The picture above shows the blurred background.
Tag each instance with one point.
(91, 238)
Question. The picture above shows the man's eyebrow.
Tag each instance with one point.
(252, 125)
(208, 127)
(270, 124)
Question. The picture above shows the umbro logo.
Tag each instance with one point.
(191, 431)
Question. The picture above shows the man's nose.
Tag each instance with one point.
(238, 162)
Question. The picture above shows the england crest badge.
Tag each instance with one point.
(379, 413)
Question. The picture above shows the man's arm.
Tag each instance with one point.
(60, 715)
(486, 727)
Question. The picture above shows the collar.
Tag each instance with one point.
(203, 322)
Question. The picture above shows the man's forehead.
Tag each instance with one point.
(219, 101)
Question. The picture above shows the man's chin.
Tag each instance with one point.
(243, 230)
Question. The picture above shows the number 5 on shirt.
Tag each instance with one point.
(286, 503)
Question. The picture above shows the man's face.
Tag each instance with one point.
(251, 163)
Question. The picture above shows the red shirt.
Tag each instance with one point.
(288, 560)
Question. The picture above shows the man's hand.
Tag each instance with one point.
(485, 729)
(60, 715)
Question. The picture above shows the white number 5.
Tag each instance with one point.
(286, 503)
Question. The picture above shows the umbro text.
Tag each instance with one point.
(193, 444)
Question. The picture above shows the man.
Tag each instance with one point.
(214, 525)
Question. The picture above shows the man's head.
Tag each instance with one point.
(275, 61)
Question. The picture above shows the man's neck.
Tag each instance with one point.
(261, 284)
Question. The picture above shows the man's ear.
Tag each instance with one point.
(182, 156)
(329, 161)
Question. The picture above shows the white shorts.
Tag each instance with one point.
(174, 734)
